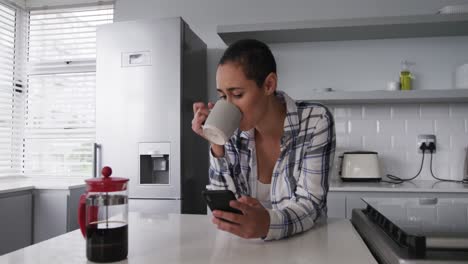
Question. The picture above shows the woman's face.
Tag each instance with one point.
(234, 87)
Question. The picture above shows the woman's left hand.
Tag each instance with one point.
(253, 223)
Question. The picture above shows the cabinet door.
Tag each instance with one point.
(336, 203)
(73, 204)
(15, 221)
(50, 214)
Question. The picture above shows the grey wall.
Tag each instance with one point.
(204, 15)
(346, 65)
(368, 65)
(340, 65)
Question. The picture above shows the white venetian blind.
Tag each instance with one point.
(60, 116)
(11, 96)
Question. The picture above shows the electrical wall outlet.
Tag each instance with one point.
(426, 139)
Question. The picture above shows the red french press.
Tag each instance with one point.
(103, 217)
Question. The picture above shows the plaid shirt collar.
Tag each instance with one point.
(291, 122)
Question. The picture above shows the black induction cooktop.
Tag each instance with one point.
(415, 230)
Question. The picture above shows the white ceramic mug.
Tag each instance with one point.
(221, 123)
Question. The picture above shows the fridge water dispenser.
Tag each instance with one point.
(154, 163)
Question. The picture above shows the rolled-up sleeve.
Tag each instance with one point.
(221, 170)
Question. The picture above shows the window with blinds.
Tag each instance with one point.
(11, 96)
(60, 114)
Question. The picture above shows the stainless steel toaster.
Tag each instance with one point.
(360, 166)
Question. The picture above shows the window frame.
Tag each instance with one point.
(57, 68)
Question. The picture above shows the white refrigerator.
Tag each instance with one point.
(149, 73)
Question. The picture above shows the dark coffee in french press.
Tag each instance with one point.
(106, 245)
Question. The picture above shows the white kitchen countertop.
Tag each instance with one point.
(178, 238)
(13, 184)
(411, 186)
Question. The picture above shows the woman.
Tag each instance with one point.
(278, 160)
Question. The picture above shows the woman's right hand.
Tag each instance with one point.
(200, 114)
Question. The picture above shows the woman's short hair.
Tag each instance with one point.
(253, 56)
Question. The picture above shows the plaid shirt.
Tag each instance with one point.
(299, 183)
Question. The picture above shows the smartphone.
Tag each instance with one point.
(219, 200)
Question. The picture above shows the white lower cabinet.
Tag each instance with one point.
(55, 212)
(336, 204)
(15, 221)
(32, 216)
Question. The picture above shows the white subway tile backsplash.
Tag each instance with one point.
(443, 142)
(374, 142)
(342, 141)
(456, 163)
(402, 112)
(376, 112)
(392, 162)
(341, 127)
(362, 127)
(459, 110)
(392, 131)
(433, 111)
(450, 126)
(342, 112)
(349, 142)
(355, 112)
(355, 142)
(396, 170)
(416, 127)
(391, 127)
(404, 142)
(440, 164)
(413, 165)
(458, 141)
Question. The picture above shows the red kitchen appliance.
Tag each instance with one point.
(103, 217)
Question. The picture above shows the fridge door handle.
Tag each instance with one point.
(96, 147)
